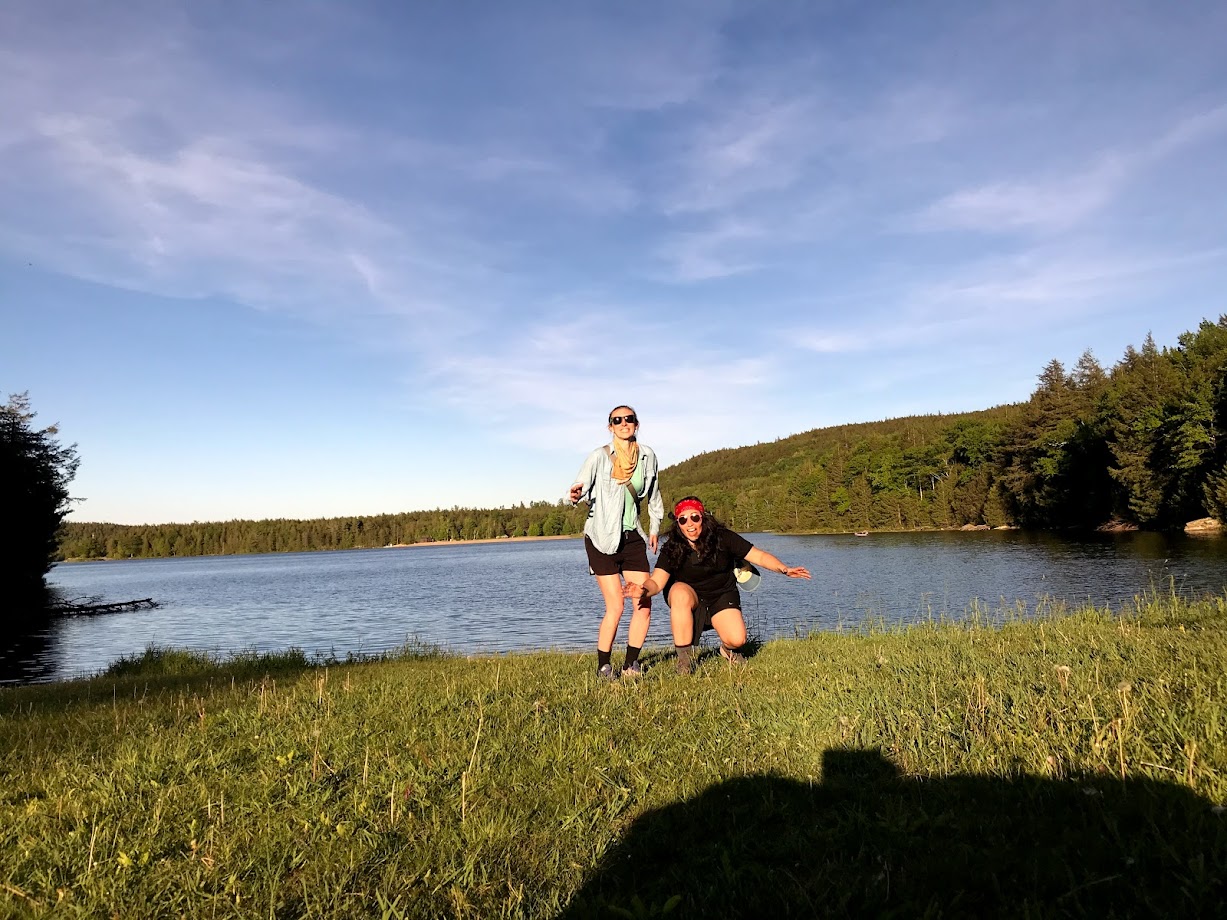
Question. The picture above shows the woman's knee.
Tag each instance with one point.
(731, 628)
(682, 598)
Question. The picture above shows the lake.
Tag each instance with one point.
(505, 596)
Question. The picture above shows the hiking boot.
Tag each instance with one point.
(732, 656)
(606, 672)
(685, 660)
(632, 670)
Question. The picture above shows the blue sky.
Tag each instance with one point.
(316, 259)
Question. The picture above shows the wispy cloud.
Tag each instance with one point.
(750, 147)
(552, 382)
(977, 302)
(213, 218)
(715, 252)
(1010, 206)
(760, 176)
(834, 343)
(1062, 202)
(1046, 283)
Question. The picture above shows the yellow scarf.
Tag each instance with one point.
(626, 456)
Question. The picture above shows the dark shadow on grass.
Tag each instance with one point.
(866, 841)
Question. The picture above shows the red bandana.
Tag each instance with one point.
(688, 504)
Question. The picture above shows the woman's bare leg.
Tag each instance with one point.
(682, 601)
(615, 603)
(641, 612)
(730, 626)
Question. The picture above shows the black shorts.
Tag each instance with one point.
(708, 607)
(631, 556)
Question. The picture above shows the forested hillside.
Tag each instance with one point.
(1143, 443)
(900, 474)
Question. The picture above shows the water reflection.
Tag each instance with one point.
(28, 656)
(27, 646)
(531, 595)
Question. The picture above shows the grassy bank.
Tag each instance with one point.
(1070, 765)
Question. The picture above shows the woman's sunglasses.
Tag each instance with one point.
(619, 419)
(691, 518)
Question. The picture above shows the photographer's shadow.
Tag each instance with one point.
(866, 841)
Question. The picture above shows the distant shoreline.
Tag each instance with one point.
(349, 549)
(565, 536)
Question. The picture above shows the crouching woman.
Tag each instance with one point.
(695, 573)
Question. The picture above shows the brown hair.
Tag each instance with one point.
(611, 412)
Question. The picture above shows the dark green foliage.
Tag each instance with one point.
(35, 470)
(1143, 387)
(1192, 434)
(898, 474)
(215, 538)
(1054, 464)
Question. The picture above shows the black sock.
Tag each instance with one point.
(683, 655)
(602, 658)
(632, 655)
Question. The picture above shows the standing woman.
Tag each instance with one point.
(695, 572)
(614, 480)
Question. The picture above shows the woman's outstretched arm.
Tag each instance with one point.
(764, 560)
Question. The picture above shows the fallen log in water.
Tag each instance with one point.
(71, 609)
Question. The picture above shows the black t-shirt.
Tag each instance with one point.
(715, 576)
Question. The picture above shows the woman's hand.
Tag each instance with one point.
(634, 590)
(576, 491)
(795, 571)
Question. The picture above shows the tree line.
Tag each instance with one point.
(123, 541)
(1141, 443)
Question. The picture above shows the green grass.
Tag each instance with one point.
(1069, 765)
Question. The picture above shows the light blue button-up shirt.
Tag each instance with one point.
(606, 498)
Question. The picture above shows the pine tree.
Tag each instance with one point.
(1140, 386)
(1035, 457)
(35, 470)
(1192, 438)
